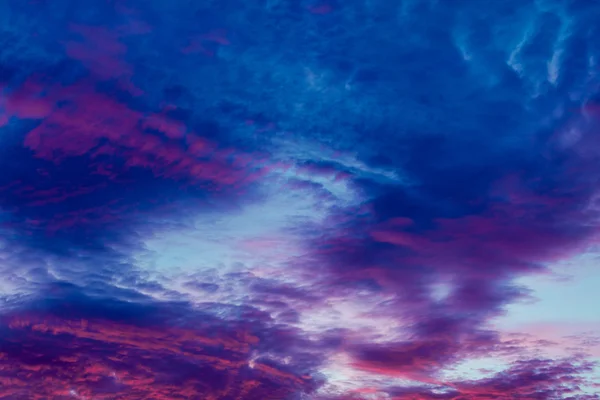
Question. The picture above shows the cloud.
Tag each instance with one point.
(74, 344)
(287, 201)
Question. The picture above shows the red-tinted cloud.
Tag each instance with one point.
(109, 141)
(517, 228)
(45, 356)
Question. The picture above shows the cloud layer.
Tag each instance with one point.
(297, 200)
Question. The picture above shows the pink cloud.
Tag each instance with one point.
(110, 360)
(94, 125)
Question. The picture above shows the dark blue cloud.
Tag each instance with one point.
(284, 199)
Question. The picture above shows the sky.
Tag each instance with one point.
(299, 200)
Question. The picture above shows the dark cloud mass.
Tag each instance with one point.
(361, 200)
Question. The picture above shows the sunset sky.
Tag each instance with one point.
(299, 199)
